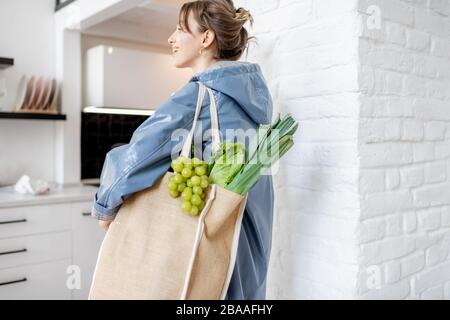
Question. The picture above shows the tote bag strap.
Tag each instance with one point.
(215, 135)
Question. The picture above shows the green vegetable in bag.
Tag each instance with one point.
(232, 168)
(226, 163)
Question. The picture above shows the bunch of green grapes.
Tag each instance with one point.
(189, 181)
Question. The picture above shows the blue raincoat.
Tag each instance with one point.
(243, 102)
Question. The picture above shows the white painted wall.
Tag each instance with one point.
(26, 34)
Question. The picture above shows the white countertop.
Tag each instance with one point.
(57, 194)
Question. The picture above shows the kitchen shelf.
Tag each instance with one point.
(62, 3)
(31, 115)
(6, 62)
(116, 110)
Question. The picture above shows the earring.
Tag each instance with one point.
(201, 51)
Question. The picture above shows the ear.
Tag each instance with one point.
(208, 38)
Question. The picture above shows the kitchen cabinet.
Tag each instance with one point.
(37, 281)
(48, 250)
(86, 241)
(33, 249)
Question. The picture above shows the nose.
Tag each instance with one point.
(170, 40)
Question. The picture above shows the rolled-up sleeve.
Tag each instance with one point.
(140, 163)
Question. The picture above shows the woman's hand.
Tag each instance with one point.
(104, 224)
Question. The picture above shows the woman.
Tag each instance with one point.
(209, 39)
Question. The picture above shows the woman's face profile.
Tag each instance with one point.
(185, 45)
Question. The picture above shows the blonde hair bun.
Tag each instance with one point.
(243, 14)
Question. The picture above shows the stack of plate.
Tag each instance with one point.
(37, 94)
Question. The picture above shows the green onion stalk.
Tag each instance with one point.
(237, 170)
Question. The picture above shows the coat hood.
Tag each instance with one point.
(244, 83)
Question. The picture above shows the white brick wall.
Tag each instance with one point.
(403, 136)
(363, 198)
(309, 54)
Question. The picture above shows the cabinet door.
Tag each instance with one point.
(87, 238)
(35, 249)
(37, 281)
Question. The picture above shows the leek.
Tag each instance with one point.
(228, 161)
(234, 169)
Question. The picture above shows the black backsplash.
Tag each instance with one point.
(99, 134)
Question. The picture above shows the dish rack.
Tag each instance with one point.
(38, 95)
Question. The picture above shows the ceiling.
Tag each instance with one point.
(151, 22)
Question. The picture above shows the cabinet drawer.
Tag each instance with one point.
(40, 281)
(20, 221)
(34, 249)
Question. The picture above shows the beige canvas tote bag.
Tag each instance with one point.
(153, 250)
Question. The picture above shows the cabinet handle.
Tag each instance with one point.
(12, 282)
(14, 251)
(86, 214)
(13, 221)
